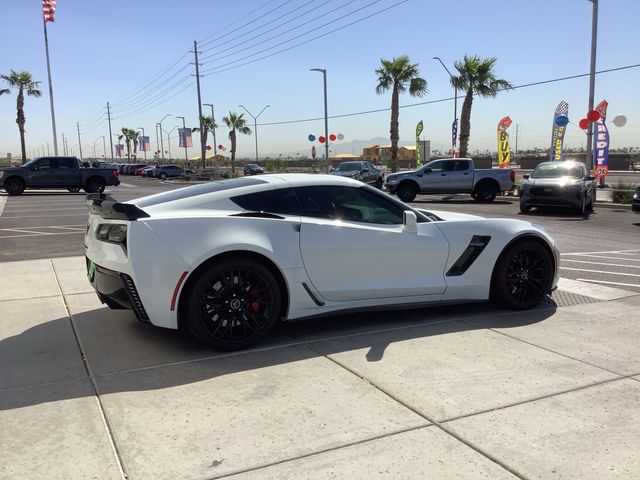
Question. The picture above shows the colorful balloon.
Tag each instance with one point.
(340, 136)
(593, 116)
(562, 120)
(619, 120)
(332, 137)
(208, 147)
(583, 124)
(311, 137)
(321, 139)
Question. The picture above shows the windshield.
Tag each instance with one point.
(348, 167)
(26, 164)
(557, 170)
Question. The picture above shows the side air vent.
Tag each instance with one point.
(134, 298)
(471, 253)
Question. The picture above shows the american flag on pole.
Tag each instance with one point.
(49, 10)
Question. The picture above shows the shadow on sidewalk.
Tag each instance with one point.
(125, 355)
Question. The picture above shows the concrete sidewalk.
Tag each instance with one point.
(449, 392)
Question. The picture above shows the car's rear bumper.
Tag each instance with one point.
(116, 287)
(635, 206)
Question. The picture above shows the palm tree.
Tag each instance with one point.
(397, 75)
(208, 125)
(129, 135)
(476, 77)
(236, 123)
(23, 82)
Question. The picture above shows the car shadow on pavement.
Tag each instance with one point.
(124, 355)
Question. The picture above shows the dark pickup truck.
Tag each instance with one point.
(57, 172)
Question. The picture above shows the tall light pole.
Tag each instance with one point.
(326, 114)
(592, 81)
(143, 151)
(94, 145)
(255, 125)
(213, 119)
(169, 139)
(157, 143)
(186, 157)
(455, 108)
(161, 143)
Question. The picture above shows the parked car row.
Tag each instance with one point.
(160, 171)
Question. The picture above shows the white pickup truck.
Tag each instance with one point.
(451, 175)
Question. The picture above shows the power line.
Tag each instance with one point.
(133, 114)
(409, 105)
(158, 96)
(135, 103)
(220, 70)
(211, 56)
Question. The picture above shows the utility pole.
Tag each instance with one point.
(517, 138)
(326, 115)
(64, 150)
(202, 151)
(157, 143)
(110, 134)
(592, 81)
(79, 141)
(184, 139)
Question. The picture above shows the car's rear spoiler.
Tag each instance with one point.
(107, 207)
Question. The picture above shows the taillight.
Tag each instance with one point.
(115, 173)
(512, 175)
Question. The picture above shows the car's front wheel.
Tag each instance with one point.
(162, 176)
(407, 192)
(233, 304)
(522, 275)
(14, 186)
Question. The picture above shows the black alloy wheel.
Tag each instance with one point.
(94, 185)
(522, 276)
(407, 192)
(234, 304)
(162, 176)
(14, 186)
(485, 193)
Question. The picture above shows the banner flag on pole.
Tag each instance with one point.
(144, 145)
(504, 151)
(184, 134)
(419, 128)
(601, 143)
(49, 10)
(454, 135)
(119, 150)
(558, 131)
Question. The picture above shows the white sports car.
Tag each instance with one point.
(227, 260)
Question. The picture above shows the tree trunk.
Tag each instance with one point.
(20, 120)
(393, 130)
(233, 153)
(465, 123)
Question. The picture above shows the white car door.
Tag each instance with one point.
(354, 248)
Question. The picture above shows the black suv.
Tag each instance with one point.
(253, 169)
(635, 206)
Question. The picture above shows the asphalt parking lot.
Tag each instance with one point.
(469, 391)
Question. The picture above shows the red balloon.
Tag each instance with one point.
(593, 116)
(583, 124)
(332, 137)
(208, 147)
(321, 139)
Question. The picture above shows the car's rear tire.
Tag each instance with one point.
(378, 183)
(162, 176)
(525, 208)
(484, 193)
(73, 189)
(407, 192)
(14, 186)
(522, 275)
(94, 185)
(233, 305)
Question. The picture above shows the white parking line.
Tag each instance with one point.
(614, 258)
(606, 251)
(608, 283)
(49, 216)
(19, 230)
(601, 271)
(598, 263)
(42, 234)
(46, 209)
(3, 201)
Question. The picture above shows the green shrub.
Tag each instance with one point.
(622, 193)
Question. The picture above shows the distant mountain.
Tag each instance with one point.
(354, 147)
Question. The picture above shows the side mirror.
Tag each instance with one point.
(409, 222)
(526, 177)
(34, 167)
(427, 170)
(331, 169)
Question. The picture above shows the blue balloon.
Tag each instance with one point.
(562, 120)
(311, 137)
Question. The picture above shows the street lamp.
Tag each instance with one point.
(169, 139)
(143, 150)
(455, 109)
(184, 139)
(161, 142)
(326, 117)
(255, 125)
(592, 81)
(94, 146)
(213, 120)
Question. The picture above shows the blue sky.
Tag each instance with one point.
(113, 51)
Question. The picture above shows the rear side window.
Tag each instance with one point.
(280, 201)
(68, 163)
